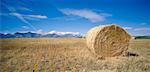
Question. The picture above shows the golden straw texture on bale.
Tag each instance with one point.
(107, 40)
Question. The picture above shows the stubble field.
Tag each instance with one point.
(68, 55)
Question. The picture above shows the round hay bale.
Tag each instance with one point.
(107, 40)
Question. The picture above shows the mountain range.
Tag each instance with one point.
(36, 35)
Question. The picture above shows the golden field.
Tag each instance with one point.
(68, 55)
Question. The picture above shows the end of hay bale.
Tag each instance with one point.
(108, 40)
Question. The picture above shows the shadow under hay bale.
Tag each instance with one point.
(131, 54)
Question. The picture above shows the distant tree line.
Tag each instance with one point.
(142, 37)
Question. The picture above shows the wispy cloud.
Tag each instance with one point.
(25, 8)
(14, 9)
(142, 29)
(87, 14)
(24, 17)
(137, 29)
(36, 16)
(25, 27)
(66, 18)
(21, 17)
(29, 16)
(143, 23)
(127, 28)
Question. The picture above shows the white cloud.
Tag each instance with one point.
(66, 18)
(137, 29)
(143, 23)
(24, 17)
(29, 16)
(25, 27)
(87, 14)
(63, 33)
(11, 9)
(128, 28)
(36, 16)
(14, 9)
(21, 17)
(25, 8)
(142, 29)
(40, 31)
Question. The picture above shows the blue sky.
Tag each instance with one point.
(44, 16)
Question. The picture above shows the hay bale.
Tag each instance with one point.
(107, 40)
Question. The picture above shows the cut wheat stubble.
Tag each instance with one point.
(107, 40)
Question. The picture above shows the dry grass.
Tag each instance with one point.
(67, 55)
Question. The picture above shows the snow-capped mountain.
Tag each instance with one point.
(53, 34)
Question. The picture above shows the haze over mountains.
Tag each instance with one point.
(52, 34)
